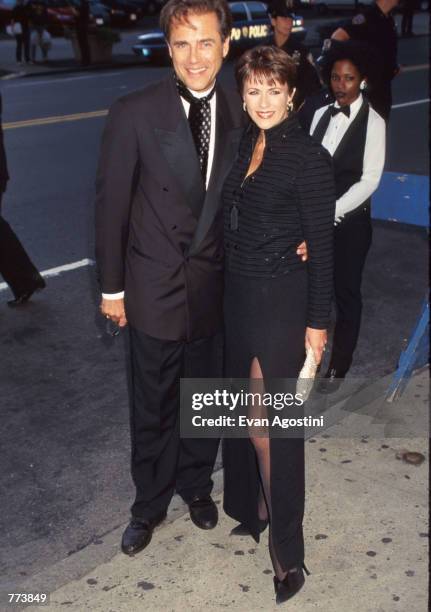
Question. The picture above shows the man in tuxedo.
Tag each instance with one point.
(165, 152)
(15, 265)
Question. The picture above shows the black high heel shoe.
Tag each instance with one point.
(22, 298)
(291, 584)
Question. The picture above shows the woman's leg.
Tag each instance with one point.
(261, 445)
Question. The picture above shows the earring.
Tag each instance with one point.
(290, 106)
(244, 106)
(363, 85)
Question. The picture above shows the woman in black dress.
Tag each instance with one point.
(279, 192)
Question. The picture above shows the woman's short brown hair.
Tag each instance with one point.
(180, 9)
(265, 63)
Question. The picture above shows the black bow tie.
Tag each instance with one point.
(341, 109)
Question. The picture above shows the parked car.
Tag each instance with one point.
(251, 26)
(61, 14)
(149, 7)
(99, 13)
(122, 12)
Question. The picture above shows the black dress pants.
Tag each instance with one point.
(352, 243)
(162, 462)
(15, 265)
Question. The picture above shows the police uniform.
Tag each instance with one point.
(307, 79)
(379, 30)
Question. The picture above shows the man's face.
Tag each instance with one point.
(197, 50)
(282, 25)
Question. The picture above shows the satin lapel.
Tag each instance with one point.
(344, 142)
(226, 146)
(178, 149)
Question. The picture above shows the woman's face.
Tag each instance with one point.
(345, 82)
(266, 101)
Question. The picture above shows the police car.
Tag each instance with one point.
(251, 27)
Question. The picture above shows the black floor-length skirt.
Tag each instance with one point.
(266, 319)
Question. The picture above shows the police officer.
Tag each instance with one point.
(282, 19)
(376, 26)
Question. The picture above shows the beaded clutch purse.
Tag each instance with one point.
(307, 375)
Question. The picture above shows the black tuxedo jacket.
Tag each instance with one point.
(158, 233)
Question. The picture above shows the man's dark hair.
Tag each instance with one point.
(265, 63)
(178, 10)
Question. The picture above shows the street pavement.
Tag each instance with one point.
(65, 480)
(366, 535)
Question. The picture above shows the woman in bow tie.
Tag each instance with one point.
(354, 134)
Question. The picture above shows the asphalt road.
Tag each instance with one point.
(64, 447)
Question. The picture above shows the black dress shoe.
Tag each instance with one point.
(243, 530)
(291, 584)
(22, 298)
(331, 382)
(203, 512)
(138, 534)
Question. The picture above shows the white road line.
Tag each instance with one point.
(414, 68)
(60, 269)
(414, 103)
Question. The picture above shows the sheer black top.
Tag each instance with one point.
(290, 198)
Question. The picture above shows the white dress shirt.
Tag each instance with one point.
(186, 105)
(374, 154)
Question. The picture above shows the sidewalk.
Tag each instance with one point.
(61, 58)
(365, 531)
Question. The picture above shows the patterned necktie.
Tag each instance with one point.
(200, 123)
(341, 109)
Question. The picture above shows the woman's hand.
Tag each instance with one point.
(316, 339)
